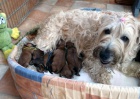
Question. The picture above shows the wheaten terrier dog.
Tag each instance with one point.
(108, 39)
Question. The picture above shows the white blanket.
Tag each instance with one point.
(118, 78)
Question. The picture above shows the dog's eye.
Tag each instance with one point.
(124, 38)
(107, 31)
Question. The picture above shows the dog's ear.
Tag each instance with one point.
(137, 58)
(138, 38)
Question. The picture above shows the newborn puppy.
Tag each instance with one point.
(74, 63)
(26, 54)
(66, 72)
(38, 63)
(59, 57)
(48, 61)
(38, 60)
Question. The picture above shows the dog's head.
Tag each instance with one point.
(118, 39)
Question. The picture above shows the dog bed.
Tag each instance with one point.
(34, 85)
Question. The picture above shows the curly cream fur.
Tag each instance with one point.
(86, 30)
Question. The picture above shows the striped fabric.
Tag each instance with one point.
(34, 85)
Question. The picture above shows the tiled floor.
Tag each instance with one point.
(37, 16)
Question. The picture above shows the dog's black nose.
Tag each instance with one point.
(105, 56)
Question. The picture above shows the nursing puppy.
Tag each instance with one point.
(66, 72)
(59, 60)
(74, 63)
(48, 61)
(38, 60)
(26, 54)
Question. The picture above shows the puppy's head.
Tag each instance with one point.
(69, 44)
(67, 73)
(37, 53)
(60, 44)
(38, 62)
(28, 48)
(118, 39)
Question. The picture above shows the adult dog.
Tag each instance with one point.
(108, 39)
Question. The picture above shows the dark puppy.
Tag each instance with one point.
(26, 54)
(48, 61)
(74, 63)
(59, 57)
(66, 72)
(38, 60)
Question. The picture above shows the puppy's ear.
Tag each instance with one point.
(59, 42)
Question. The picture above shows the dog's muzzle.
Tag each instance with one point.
(106, 56)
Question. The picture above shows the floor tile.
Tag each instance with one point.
(8, 87)
(44, 7)
(3, 70)
(37, 16)
(49, 2)
(80, 4)
(6, 96)
(27, 25)
(66, 3)
(3, 61)
(117, 8)
(104, 1)
(98, 5)
(112, 2)
(96, 1)
(127, 9)
(57, 9)
(85, 0)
